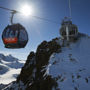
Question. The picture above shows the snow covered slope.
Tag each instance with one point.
(71, 67)
(9, 68)
(56, 65)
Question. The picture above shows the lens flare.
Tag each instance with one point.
(26, 10)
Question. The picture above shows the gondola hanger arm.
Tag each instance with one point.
(12, 15)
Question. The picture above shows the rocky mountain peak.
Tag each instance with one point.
(57, 66)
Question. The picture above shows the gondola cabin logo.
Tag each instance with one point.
(10, 40)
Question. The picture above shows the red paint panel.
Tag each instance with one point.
(10, 40)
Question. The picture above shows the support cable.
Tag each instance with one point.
(70, 10)
(37, 17)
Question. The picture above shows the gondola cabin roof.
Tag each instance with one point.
(66, 21)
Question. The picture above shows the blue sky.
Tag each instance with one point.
(39, 30)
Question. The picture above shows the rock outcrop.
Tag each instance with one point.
(32, 74)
